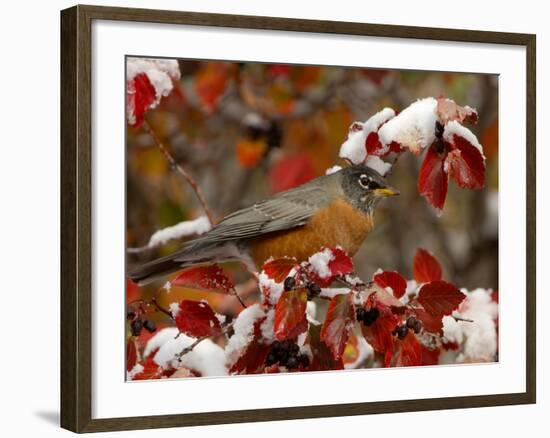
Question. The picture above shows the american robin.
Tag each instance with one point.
(329, 211)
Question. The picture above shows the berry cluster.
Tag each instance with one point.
(313, 289)
(137, 324)
(402, 330)
(367, 317)
(287, 354)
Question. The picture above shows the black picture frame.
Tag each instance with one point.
(76, 217)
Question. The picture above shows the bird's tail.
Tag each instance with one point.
(182, 259)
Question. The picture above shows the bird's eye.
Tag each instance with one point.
(368, 183)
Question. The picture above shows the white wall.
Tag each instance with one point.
(29, 173)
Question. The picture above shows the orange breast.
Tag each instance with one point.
(339, 224)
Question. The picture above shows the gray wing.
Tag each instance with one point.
(284, 211)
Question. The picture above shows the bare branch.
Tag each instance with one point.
(197, 341)
(174, 165)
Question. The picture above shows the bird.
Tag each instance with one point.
(334, 210)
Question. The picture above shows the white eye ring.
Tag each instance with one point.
(364, 181)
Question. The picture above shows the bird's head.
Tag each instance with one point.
(364, 187)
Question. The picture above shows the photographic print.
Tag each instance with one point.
(297, 218)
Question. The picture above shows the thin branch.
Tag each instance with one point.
(161, 309)
(175, 166)
(239, 298)
(197, 341)
(460, 318)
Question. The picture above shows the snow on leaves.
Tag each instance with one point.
(453, 151)
(210, 277)
(196, 319)
(412, 128)
(147, 82)
(397, 329)
(327, 264)
(363, 138)
(248, 346)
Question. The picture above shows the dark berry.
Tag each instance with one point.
(282, 356)
(294, 348)
(290, 282)
(276, 346)
(401, 331)
(439, 146)
(417, 326)
(292, 362)
(136, 325)
(360, 314)
(313, 290)
(304, 360)
(411, 320)
(149, 326)
(271, 359)
(130, 315)
(371, 316)
(286, 345)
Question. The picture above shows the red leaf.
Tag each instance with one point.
(338, 323)
(383, 298)
(432, 180)
(131, 354)
(197, 319)
(426, 268)
(291, 171)
(210, 277)
(341, 264)
(430, 357)
(290, 314)
(431, 323)
(407, 352)
(253, 359)
(465, 164)
(140, 95)
(379, 333)
(322, 359)
(440, 298)
(151, 370)
(393, 280)
(132, 291)
(278, 269)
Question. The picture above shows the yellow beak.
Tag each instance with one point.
(386, 191)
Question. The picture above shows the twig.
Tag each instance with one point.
(460, 318)
(161, 309)
(198, 192)
(197, 341)
(239, 298)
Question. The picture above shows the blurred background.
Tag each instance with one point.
(248, 130)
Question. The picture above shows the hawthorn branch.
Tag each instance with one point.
(180, 170)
